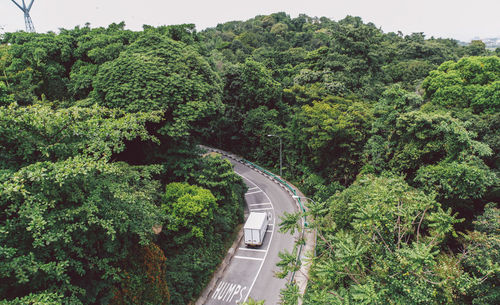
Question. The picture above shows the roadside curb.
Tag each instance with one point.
(309, 236)
(220, 270)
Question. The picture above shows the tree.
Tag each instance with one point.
(198, 225)
(5, 97)
(93, 48)
(442, 151)
(257, 125)
(156, 73)
(395, 101)
(472, 82)
(39, 133)
(37, 65)
(36, 298)
(144, 279)
(66, 226)
(190, 211)
(218, 176)
(408, 72)
(380, 242)
(457, 180)
(476, 48)
(483, 255)
(421, 137)
(248, 86)
(333, 133)
(69, 217)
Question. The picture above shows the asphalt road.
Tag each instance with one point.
(251, 270)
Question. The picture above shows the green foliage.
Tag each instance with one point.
(157, 73)
(39, 133)
(463, 180)
(95, 47)
(5, 97)
(60, 66)
(418, 138)
(381, 241)
(290, 222)
(217, 175)
(258, 123)
(290, 294)
(132, 82)
(191, 261)
(43, 298)
(319, 187)
(288, 264)
(65, 226)
(472, 82)
(482, 257)
(190, 209)
(143, 278)
(191, 267)
(251, 301)
(306, 80)
(251, 96)
(408, 72)
(333, 132)
(476, 48)
(250, 85)
(37, 65)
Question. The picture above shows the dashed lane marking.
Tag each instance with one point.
(270, 240)
(255, 192)
(262, 209)
(255, 250)
(264, 203)
(250, 258)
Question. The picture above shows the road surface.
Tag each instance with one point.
(251, 270)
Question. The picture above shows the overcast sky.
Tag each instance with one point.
(458, 19)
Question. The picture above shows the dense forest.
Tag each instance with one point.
(106, 198)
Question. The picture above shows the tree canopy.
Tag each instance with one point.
(472, 82)
(106, 196)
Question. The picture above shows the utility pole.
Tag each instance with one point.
(27, 19)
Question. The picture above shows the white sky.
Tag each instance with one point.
(458, 19)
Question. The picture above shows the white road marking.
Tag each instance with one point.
(252, 188)
(269, 230)
(255, 192)
(270, 240)
(247, 179)
(256, 250)
(226, 291)
(250, 258)
(259, 203)
(261, 209)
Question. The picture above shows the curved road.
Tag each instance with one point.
(251, 270)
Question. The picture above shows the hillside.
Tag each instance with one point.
(395, 137)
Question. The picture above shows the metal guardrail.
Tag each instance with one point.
(283, 182)
(277, 178)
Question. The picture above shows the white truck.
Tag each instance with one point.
(255, 228)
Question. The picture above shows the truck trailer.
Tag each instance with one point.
(255, 228)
